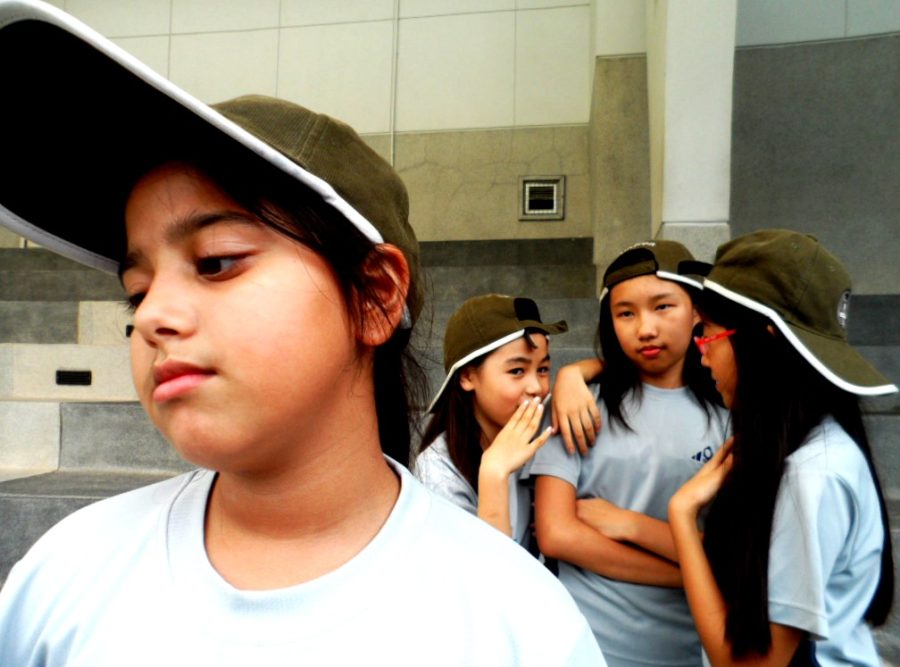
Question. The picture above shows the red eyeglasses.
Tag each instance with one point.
(703, 342)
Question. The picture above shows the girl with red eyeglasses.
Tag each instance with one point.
(795, 565)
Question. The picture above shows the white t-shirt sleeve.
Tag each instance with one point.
(814, 513)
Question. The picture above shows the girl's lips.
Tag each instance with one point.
(174, 379)
(650, 352)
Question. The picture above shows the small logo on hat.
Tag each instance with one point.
(843, 309)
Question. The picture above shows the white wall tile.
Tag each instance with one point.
(779, 22)
(317, 12)
(207, 16)
(553, 66)
(342, 70)
(220, 66)
(456, 72)
(152, 51)
(868, 17)
(123, 18)
(411, 8)
(545, 4)
(29, 436)
(620, 27)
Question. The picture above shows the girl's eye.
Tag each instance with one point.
(624, 313)
(516, 371)
(132, 301)
(214, 266)
(664, 306)
(544, 370)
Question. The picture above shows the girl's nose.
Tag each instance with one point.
(164, 313)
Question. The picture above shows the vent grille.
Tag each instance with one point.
(542, 198)
(74, 378)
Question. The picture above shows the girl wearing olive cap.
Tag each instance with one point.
(267, 256)
(488, 410)
(795, 563)
(602, 515)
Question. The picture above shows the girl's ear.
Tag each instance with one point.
(695, 320)
(466, 380)
(382, 307)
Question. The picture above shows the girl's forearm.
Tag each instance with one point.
(653, 535)
(493, 500)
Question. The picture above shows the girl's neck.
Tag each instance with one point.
(673, 378)
(305, 517)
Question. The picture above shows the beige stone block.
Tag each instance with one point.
(123, 18)
(152, 51)
(553, 70)
(409, 8)
(319, 12)
(219, 66)
(103, 323)
(343, 70)
(456, 72)
(29, 438)
(223, 15)
(465, 185)
(9, 239)
(30, 372)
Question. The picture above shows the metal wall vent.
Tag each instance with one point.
(542, 198)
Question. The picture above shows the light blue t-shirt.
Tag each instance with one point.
(640, 469)
(825, 552)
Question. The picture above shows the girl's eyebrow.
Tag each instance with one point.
(183, 228)
(524, 360)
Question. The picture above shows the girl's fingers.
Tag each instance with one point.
(541, 440)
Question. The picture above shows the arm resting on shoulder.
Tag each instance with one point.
(562, 535)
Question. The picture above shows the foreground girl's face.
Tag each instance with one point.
(719, 359)
(242, 343)
(654, 320)
(509, 375)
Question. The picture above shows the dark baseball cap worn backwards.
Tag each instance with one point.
(483, 324)
(84, 120)
(805, 291)
(667, 260)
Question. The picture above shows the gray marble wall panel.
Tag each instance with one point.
(817, 149)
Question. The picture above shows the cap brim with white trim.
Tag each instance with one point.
(834, 358)
(81, 116)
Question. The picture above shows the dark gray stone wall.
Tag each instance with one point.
(816, 148)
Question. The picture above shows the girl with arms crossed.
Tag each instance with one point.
(267, 256)
(795, 564)
(484, 416)
(660, 423)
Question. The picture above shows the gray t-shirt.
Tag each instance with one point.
(434, 468)
(639, 469)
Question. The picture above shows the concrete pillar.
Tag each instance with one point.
(690, 65)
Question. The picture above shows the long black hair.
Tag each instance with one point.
(778, 400)
(293, 209)
(620, 375)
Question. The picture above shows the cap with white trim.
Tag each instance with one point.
(805, 291)
(83, 120)
(483, 324)
(667, 260)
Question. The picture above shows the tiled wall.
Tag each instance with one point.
(459, 64)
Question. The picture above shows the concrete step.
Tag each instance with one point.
(31, 372)
(30, 506)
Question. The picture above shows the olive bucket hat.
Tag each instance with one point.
(484, 323)
(667, 260)
(83, 120)
(805, 291)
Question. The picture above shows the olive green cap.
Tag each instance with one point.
(85, 120)
(667, 260)
(805, 291)
(484, 323)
